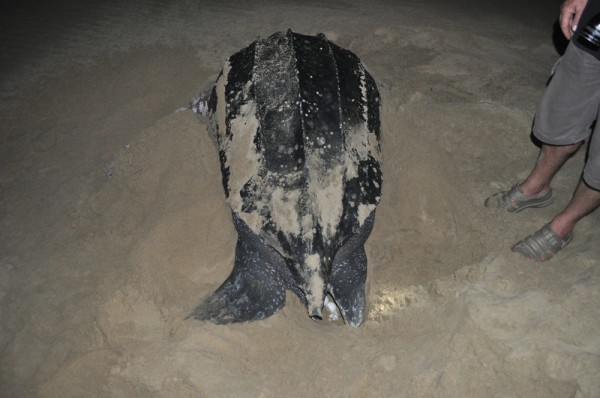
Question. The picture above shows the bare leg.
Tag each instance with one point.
(535, 191)
(551, 158)
(584, 201)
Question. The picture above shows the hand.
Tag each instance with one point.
(570, 12)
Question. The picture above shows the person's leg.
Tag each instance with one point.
(562, 123)
(535, 190)
(550, 160)
(555, 235)
(585, 200)
(568, 109)
(587, 195)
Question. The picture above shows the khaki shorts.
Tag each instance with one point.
(570, 106)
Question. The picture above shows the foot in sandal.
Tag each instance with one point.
(541, 245)
(514, 200)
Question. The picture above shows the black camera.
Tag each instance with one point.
(590, 34)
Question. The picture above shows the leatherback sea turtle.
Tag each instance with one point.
(296, 120)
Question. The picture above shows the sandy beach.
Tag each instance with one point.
(114, 227)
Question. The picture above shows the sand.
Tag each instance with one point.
(113, 224)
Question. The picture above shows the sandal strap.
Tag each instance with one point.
(513, 198)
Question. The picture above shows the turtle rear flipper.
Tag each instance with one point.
(255, 288)
(349, 274)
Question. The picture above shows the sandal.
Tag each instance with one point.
(542, 245)
(514, 200)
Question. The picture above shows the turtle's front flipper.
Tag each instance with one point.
(205, 102)
(255, 288)
(349, 274)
